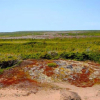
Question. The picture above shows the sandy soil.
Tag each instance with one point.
(89, 93)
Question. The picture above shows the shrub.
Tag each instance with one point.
(45, 56)
(52, 64)
(1, 71)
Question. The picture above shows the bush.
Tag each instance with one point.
(52, 64)
(1, 71)
(45, 56)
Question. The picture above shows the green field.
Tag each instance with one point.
(66, 48)
(21, 33)
(82, 33)
(63, 33)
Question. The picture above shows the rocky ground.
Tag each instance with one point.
(35, 80)
(49, 36)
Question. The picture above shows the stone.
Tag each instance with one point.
(57, 62)
(62, 63)
(95, 74)
(98, 93)
(69, 66)
(77, 69)
(56, 70)
(44, 78)
(68, 95)
(65, 79)
(87, 71)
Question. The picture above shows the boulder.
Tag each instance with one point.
(68, 95)
(69, 66)
(98, 93)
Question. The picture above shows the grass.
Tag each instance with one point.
(82, 33)
(1, 71)
(68, 33)
(66, 48)
(21, 33)
(52, 64)
(87, 48)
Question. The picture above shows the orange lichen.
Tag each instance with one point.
(17, 75)
(11, 81)
(82, 79)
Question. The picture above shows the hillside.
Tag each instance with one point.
(57, 65)
(33, 34)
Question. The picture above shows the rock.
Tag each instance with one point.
(1, 85)
(78, 69)
(57, 62)
(69, 66)
(31, 73)
(30, 92)
(65, 79)
(56, 70)
(62, 63)
(95, 74)
(44, 78)
(98, 93)
(87, 71)
(68, 95)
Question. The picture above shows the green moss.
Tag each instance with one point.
(1, 71)
(52, 64)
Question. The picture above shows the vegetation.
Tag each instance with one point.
(52, 64)
(1, 71)
(81, 33)
(21, 33)
(68, 33)
(87, 48)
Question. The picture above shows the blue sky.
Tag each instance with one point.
(32, 15)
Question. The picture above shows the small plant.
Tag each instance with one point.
(52, 64)
(1, 71)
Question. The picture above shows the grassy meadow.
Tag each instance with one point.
(87, 48)
(63, 33)
(20, 33)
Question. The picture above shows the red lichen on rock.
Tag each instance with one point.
(48, 71)
(82, 79)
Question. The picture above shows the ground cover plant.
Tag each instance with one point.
(24, 62)
(62, 33)
(52, 64)
(81, 33)
(67, 48)
(21, 33)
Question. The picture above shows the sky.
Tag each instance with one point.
(49, 15)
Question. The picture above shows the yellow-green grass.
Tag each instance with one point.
(68, 48)
(69, 33)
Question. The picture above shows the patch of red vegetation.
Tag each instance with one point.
(48, 71)
(14, 72)
(82, 79)
(12, 81)
(93, 63)
(17, 75)
(97, 81)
